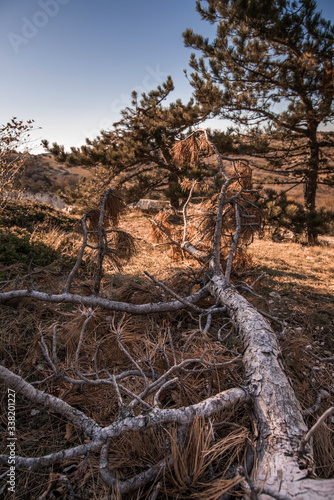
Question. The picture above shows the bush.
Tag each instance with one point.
(36, 234)
(283, 214)
(26, 215)
(16, 247)
(14, 137)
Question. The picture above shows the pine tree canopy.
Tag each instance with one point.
(271, 67)
(136, 153)
(267, 52)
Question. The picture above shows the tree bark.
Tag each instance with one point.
(277, 412)
(173, 185)
(310, 188)
(93, 301)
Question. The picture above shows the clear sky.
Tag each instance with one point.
(71, 64)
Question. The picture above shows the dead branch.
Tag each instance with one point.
(314, 408)
(163, 230)
(318, 423)
(135, 482)
(319, 358)
(234, 244)
(184, 301)
(102, 243)
(78, 263)
(184, 211)
(76, 417)
(100, 436)
(93, 301)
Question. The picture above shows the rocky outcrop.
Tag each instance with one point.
(46, 198)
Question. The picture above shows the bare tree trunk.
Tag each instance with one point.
(277, 413)
(173, 187)
(310, 189)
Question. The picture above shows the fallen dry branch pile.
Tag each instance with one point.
(181, 394)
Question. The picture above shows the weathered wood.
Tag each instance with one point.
(277, 412)
(94, 301)
(99, 436)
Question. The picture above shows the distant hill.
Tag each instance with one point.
(43, 174)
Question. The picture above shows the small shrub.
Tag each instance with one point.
(27, 215)
(283, 214)
(16, 247)
(38, 235)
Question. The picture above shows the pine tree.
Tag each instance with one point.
(270, 67)
(135, 156)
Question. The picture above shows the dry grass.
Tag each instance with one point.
(294, 264)
(196, 473)
(66, 243)
(152, 257)
(302, 281)
(298, 288)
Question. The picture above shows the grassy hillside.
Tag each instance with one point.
(35, 235)
(43, 174)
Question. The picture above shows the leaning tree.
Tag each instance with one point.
(135, 156)
(171, 393)
(270, 66)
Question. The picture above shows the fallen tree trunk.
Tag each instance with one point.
(277, 413)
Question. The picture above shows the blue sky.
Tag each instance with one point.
(71, 64)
